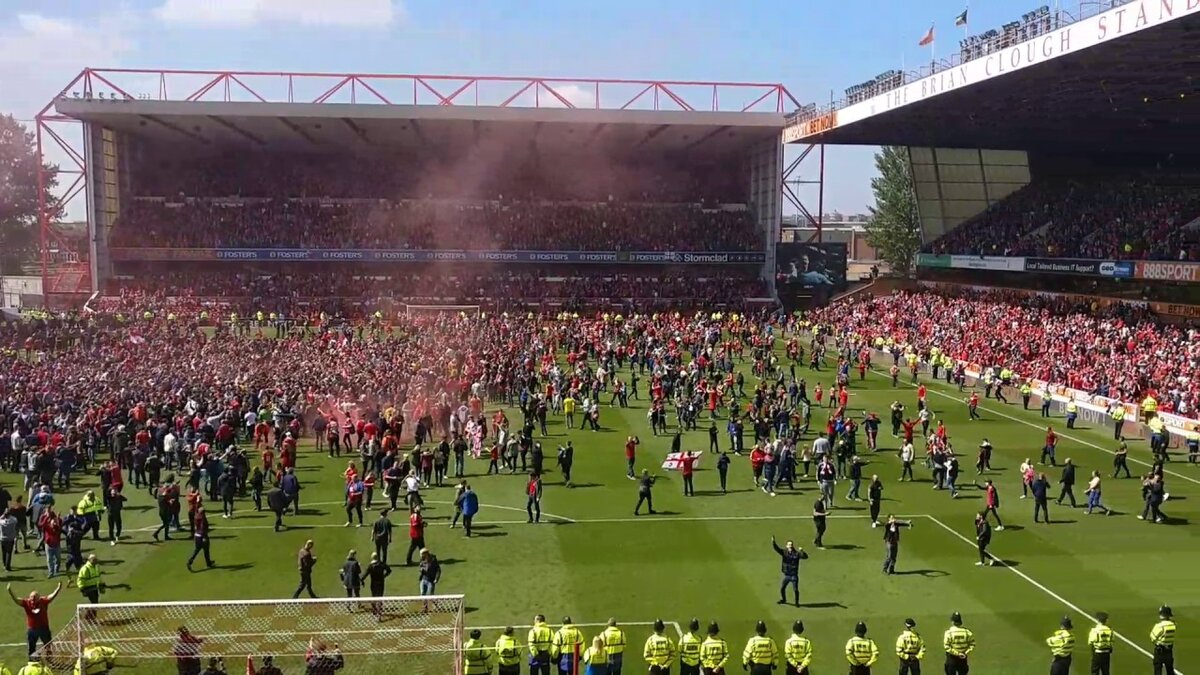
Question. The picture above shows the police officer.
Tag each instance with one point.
(1118, 419)
(1061, 644)
(689, 649)
(614, 644)
(910, 648)
(958, 642)
(861, 651)
(1162, 636)
(540, 639)
(659, 650)
(1100, 640)
(797, 651)
(790, 558)
(508, 653)
(478, 659)
(714, 652)
(761, 655)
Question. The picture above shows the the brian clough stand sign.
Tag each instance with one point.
(1122, 20)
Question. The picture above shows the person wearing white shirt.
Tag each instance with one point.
(907, 454)
(1093, 495)
(412, 490)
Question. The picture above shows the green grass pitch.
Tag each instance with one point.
(709, 556)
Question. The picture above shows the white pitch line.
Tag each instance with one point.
(1036, 426)
(577, 521)
(1036, 584)
(152, 528)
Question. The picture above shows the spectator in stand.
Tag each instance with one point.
(1119, 351)
(1117, 217)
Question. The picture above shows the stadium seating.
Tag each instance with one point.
(352, 293)
(1116, 218)
(1118, 351)
(433, 225)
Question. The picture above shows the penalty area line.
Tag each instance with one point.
(1041, 587)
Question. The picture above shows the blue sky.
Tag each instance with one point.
(811, 46)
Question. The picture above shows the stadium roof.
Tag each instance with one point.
(1125, 79)
(346, 127)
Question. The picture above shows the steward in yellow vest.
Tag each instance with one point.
(477, 657)
(508, 653)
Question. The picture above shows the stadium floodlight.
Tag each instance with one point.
(388, 635)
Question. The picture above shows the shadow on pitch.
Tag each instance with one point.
(822, 605)
(928, 574)
(581, 486)
(843, 547)
(487, 531)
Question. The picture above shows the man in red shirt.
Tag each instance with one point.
(973, 406)
(630, 455)
(1048, 449)
(37, 616)
(687, 462)
(416, 534)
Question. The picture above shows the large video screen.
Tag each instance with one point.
(817, 267)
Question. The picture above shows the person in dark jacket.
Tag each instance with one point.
(1067, 482)
(470, 507)
(377, 571)
(1041, 497)
(277, 502)
(351, 575)
(790, 558)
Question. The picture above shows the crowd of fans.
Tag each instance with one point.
(1119, 351)
(571, 173)
(1123, 219)
(424, 225)
(357, 293)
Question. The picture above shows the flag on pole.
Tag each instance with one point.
(961, 19)
(928, 39)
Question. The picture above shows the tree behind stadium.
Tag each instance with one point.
(894, 229)
(19, 196)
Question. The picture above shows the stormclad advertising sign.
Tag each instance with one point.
(1124, 19)
(1169, 271)
(379, 255)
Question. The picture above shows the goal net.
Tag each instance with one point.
(384, 636)
(439, 310)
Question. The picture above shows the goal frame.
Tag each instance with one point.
(74, 637)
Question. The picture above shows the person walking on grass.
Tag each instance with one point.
(430, 573)
(351, 575)
(200, 537)
(1093, 496)
(305, 561)
(983, 537)
(376, 573)
(533, 498)
(645, 493)
(381, 536)
(416, 535)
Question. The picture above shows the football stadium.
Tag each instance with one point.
(440, 374)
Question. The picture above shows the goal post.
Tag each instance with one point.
(438, 310)
(409, 635)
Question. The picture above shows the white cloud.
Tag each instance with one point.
(247, 13)
(42, 54)
(580, 97)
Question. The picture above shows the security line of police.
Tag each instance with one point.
(566, 652)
